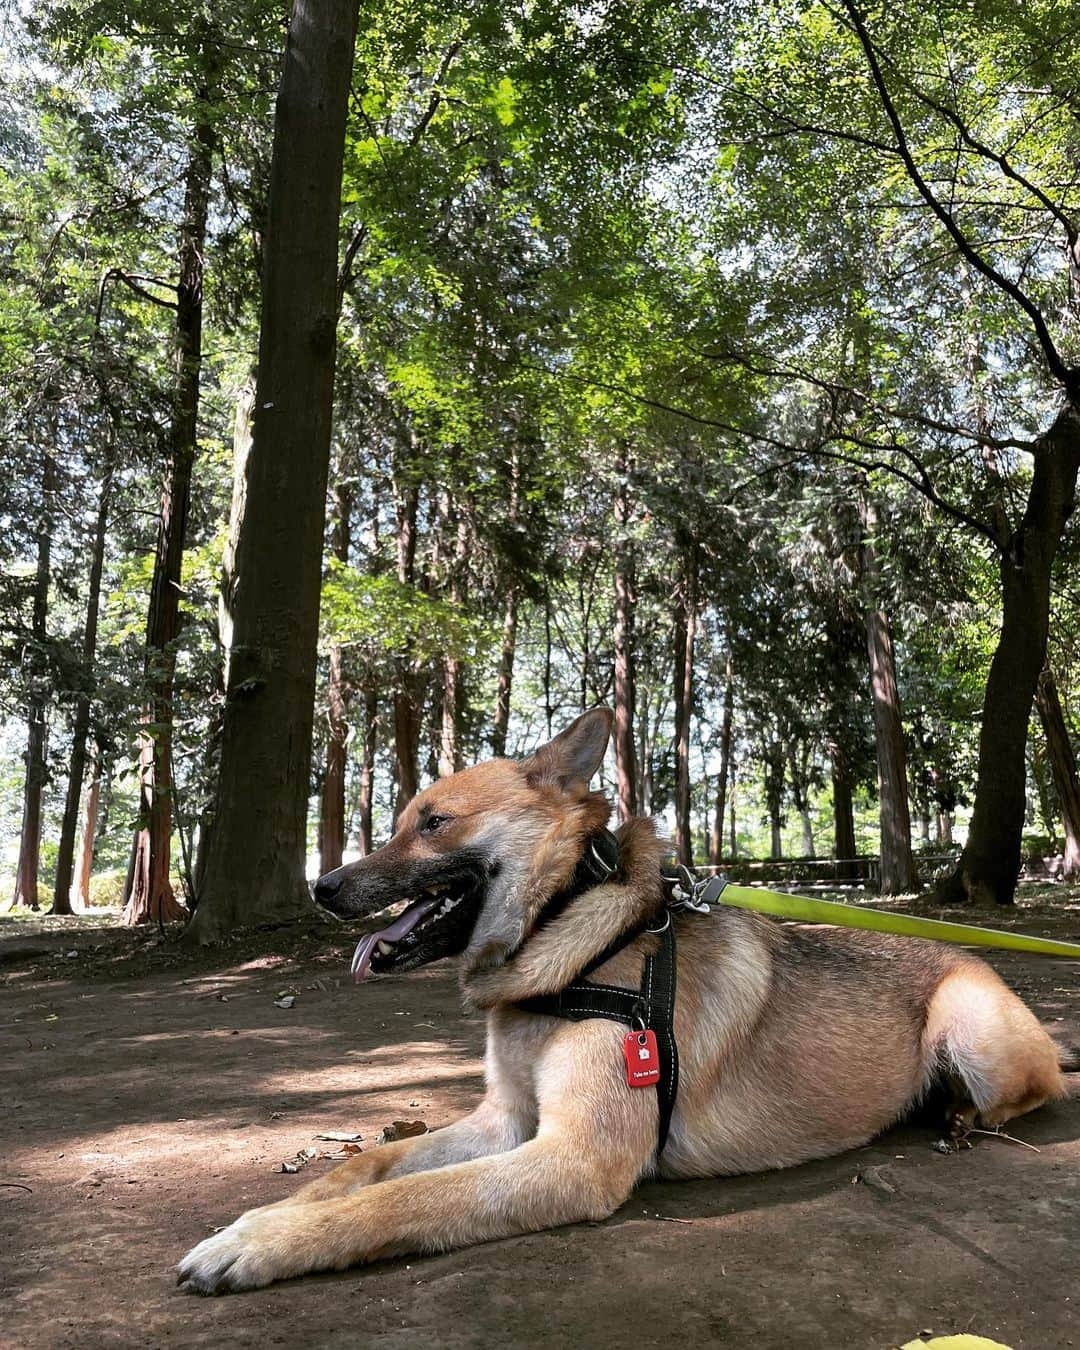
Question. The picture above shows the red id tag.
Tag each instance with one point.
(642, 1059)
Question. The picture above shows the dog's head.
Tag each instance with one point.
(476, 855)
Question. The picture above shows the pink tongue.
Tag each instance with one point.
(394, 932)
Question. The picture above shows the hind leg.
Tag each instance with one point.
(992, 1045)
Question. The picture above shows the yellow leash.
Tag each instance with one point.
(805, 910)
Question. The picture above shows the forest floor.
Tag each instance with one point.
(152, 1094)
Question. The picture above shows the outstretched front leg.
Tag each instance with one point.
(595, 1138)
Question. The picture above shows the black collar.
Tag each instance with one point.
(599, 862)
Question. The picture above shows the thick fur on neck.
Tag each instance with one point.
(554, 955)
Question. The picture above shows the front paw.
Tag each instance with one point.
(260, 1247)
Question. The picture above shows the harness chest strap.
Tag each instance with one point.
(651, 1006)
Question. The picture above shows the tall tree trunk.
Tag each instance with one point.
(843, 813)
(367, 767)
(507, 649)
(406, 692)
(508, 645)
(453, 692)
(26, 872)
(772, 761)
(989, 865)
(625, 777)
(685, 631)
(332, 802)
(66, 852)
(716, 839)
(151, 895)
(945, 824)
(1062, 766)
(898, 874)
(256, 868)
(84, 862)
(733, 841)
(549, 711)
(800, 796)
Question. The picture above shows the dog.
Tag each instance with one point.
(794, 1043)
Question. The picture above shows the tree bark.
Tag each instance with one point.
(453, 691)
(624, 693)
(685, 630)
(256, 868)
(151, 895)
(989, 864)
(843, 814)
(332, 801)
(66, 852)
(716, 839)
(1062, 767)
(26, 872)
(507, 649)
(772, 760)
(84, 864)
(367, 768)
(898, 874)
(800, 796)
(406, 700)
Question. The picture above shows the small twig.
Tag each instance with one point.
(1000, 1134)
(17, 1185)
(666, 1218)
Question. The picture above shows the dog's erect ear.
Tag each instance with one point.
(575, 754)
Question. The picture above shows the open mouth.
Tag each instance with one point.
(435, 925)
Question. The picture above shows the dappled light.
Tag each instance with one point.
(539, 645)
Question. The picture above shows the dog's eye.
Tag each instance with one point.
(432, 823)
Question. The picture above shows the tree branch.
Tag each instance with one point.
(132, 282)
(1069, 378)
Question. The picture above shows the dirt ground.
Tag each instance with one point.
(151, 1095)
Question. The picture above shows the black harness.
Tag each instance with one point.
(651, 1006)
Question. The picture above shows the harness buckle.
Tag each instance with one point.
(688, 891)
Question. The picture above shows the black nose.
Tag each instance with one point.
(327, 887)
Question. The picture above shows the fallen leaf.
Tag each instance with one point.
(401, 1129)
(285, 1002)
(871, 1176)
(300, 1161)
(346, 1151)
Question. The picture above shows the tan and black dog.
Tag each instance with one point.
(795, 1043)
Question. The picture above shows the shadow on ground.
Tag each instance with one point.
(150, 1097)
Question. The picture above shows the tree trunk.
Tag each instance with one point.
(256, 868)
(945, 823)
(800, 796)
(625, 777)
(406, 700)
(151, 895)
(507, 649)
(772, 760)
(66, 852)
(843, 814)
(1062, 767)
(26, 872)
(332, 802)
(685, 628)
(453, 691)
(716, 839)
(84, 864)
(989, 865)
(733, 842)
(898, 874)
(367, 768)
